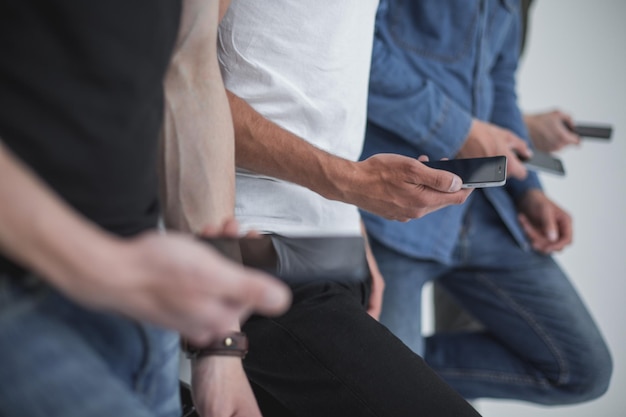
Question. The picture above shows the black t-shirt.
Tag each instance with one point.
(81, 101)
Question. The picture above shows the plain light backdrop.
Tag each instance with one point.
(575, 59)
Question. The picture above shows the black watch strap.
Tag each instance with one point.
(230, 344)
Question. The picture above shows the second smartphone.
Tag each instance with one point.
(546, 162)
(593, 131)
(475, 172)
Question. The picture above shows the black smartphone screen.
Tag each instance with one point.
(543, 161)
(475, 172)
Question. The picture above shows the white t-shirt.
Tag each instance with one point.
(303, 64)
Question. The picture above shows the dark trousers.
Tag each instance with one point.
(327, 357)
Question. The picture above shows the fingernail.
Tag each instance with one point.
(456, 184)
(552, 236)
(277, 298)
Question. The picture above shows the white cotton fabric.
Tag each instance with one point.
(303, 64)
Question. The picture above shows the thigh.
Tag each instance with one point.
(539, 341)
(157, 382)
(533, 317)
(50, 367)
(402, 299)
(327, 357)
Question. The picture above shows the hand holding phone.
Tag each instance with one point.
(475, 172)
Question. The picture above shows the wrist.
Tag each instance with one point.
(532, 127)
(528, 197)
(339, 178)
(471, 146)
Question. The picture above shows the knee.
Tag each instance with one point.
(589, 379)
(596, 376)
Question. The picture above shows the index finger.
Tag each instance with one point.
(518, 146)
(515, 167)
(566, 130)
(254, 289)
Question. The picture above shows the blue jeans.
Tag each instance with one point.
(59, 359)
(540, 343)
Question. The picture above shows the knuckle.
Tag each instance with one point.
(441, 180)
(418, 212)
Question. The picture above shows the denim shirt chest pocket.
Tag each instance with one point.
(446, 34)
(498, 25)
(424, 27)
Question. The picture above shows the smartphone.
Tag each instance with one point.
(300, 259)
(475, 172)
(545, 162)
(594, 131)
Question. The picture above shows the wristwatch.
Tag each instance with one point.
(229, 344)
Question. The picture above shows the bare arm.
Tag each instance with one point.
(393, 186)
(198, 146)
(38, 230)
(198, 180)
(171, 281)
(375, 303)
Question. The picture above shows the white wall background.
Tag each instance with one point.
(576, 59)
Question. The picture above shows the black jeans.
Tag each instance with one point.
(327, 357)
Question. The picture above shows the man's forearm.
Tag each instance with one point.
(223, 8)
(198, 144)
(266, 148)
(393, 186)
(39, 231)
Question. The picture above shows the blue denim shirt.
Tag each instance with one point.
(436, 65)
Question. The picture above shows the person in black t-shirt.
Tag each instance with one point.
(87, 285)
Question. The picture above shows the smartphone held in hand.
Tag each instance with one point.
(545, 162)
(593, 131)
(475, 172)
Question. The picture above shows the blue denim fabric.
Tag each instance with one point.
(436, 65)
(58, 359)
(540, 343)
